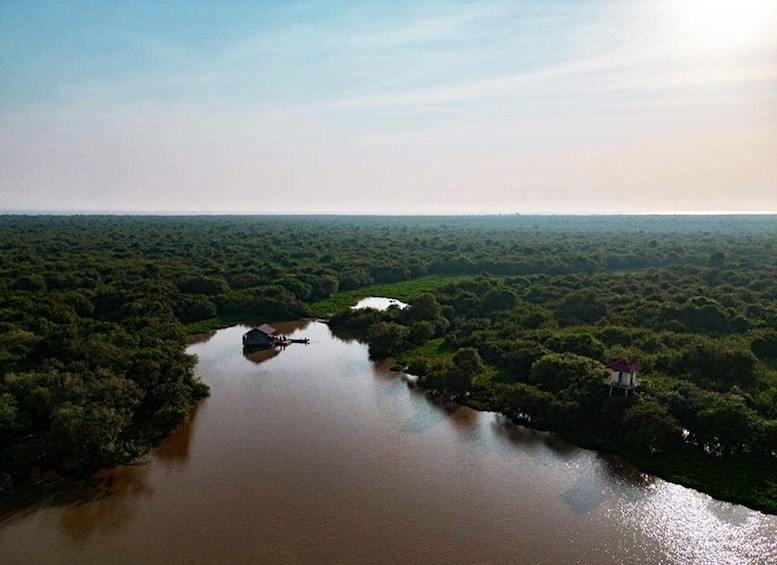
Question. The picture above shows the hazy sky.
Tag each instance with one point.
(389, 107)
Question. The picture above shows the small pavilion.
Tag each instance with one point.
(623, 375)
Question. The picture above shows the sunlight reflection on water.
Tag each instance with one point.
(694, 528)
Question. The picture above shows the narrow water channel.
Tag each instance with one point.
(315, 454)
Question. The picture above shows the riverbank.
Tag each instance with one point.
(321, 454)
(702, 417)
(746, 480)
(749, 480)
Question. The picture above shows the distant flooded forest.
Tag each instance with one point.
(517, 314)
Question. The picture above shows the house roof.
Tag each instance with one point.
(268, 329)
(263, 329)
(625, 366)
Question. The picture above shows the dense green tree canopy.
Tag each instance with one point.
(93, 315)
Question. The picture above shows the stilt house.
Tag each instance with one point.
(623, 375)
(261, 337)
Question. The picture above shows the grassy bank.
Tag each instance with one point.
(217, 323)
(434, 349)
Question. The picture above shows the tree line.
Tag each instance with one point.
(94, 312)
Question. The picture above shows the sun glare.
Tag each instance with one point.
(726, 26)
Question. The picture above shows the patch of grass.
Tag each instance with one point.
(218, 323)
(430, 351)
(402, 290)
(436, 348)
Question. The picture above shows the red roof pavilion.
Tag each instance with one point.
(625, 366)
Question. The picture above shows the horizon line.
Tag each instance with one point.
(179, 213)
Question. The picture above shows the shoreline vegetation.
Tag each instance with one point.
(513, 314)
(459, 375)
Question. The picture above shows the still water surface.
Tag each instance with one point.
(379, 303)
(315, 454)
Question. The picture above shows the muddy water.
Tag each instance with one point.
(314, 454)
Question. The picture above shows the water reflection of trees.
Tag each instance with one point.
(174, 451)
(623, 471)
(103, 502)
(111, 512)
(462, 418)
(290, 327)
(599, 479)
(423, 418)
(345, 337)
(51, 490)
(532, 441)
(201, 337)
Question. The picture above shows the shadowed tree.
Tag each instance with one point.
(386, 338)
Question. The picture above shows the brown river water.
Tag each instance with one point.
(315, 454)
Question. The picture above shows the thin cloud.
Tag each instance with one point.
(457, 92)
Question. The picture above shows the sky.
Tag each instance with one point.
(359, 107)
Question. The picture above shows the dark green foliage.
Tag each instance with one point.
(567, 372)
(765, 346)
(359, 321)
(354, 277)
(521, 399)
(648, 425)
(92, 363)
(581, 307)
(194, 308)
(714, 364)
(387, 338)
(423, 307)
(467, 362)
(323, 286)
(299, 289)
(454, 379)
(203, 285)
(579, 343)
(421, 332)
(518, 356)
(498, 300)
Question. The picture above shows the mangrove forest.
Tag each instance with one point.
(515, 314)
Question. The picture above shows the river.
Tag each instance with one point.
(315, 454)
